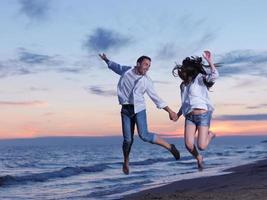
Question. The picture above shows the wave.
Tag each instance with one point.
(240, 151)
(152, 161)
(42, 177)
(116, 189)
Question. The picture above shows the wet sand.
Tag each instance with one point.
(247, 182)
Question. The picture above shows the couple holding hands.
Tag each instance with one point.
(196, 107)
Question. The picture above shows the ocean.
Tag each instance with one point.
(90, 167)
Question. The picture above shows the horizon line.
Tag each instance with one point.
(113, 136)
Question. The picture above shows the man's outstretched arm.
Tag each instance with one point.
(117, 68)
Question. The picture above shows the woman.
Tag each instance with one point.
(196, 106)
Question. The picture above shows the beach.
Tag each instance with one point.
(90, 168)
(246, 182)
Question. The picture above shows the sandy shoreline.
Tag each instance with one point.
(247, 182)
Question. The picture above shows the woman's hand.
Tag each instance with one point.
(207, 56)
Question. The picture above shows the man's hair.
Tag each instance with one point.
(140, 59)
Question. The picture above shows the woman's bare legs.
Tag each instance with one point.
(203, 140)
(204, 137)
(189, 135)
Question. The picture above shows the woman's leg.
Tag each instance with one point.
(189, 137)
(204, 137)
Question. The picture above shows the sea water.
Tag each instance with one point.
(90, 168)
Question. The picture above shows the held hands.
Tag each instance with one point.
(173, 116)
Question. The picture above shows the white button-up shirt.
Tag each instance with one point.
(195, 94)
(132, 87)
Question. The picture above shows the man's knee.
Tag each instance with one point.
(128, 141)
(148, 137)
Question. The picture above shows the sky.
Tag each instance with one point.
(52, 82)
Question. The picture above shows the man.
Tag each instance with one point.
(133, 84)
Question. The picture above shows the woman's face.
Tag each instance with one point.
(182, 74)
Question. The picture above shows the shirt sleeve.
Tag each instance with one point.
(212, 75)
(153, 95)
(117, 68)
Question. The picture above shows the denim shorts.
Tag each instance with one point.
(199, 119)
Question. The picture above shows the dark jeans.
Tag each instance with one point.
(129, 119)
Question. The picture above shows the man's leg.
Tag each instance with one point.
(141, 122)
(128, 133)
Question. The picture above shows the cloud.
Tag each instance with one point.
(10, 68)
(189, 25)
(167, 51)
(37, 59)
(230, 104)
(35, 9)
(170, 50)
(244, 56)
(28, 62)
(38, 89)
(105, 39)
(251, 117)
(245, 83)
(196, 32)
(260, 106)
(243, 62)
(48, 114)
(202, 42)
(162, 82)
(70, 70)
(97, 90)
(23, 103)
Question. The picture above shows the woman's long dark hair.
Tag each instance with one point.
(189, 70)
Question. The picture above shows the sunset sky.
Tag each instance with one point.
(54, 84)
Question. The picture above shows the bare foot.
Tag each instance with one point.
(200, 163)
(212, 135)
(125, 168)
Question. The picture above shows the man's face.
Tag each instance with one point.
(143, 67)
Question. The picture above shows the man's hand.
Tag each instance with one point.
(103, 57)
